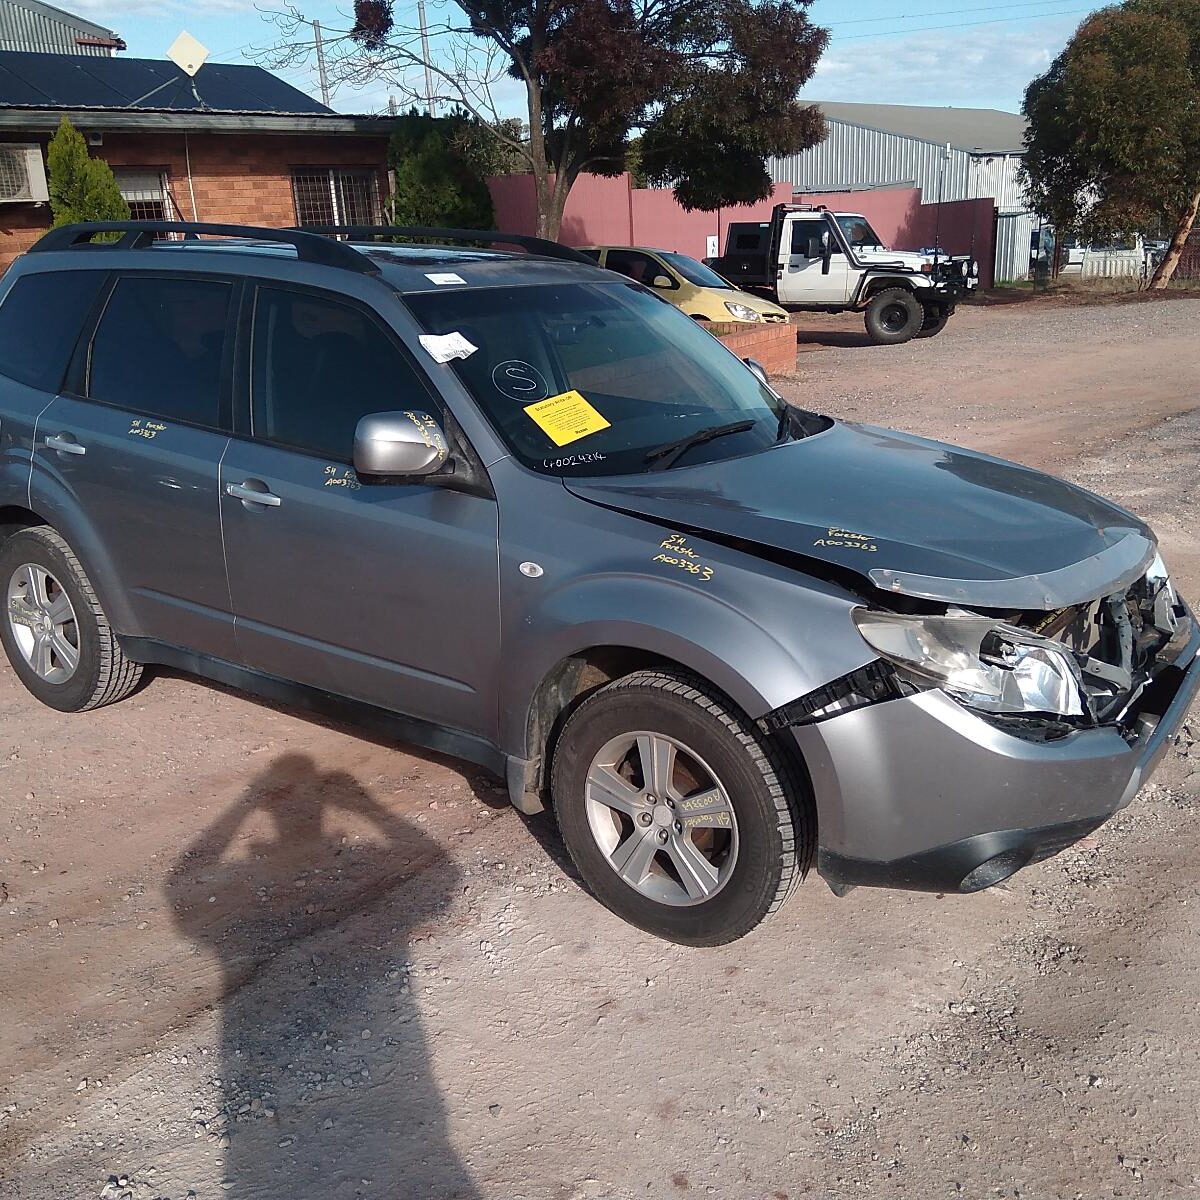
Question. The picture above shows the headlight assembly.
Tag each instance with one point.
(985, 664)
(743, 312)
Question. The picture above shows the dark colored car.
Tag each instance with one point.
(526, 512)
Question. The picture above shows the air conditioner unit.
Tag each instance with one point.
(22, 174)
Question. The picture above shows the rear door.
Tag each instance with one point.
(134, 444)
(804, 279)
(384, 592)
(41, 317)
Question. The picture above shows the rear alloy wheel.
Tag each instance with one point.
(680, 816)
(893, 317)
(54, 631)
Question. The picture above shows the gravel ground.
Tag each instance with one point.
(249, 954)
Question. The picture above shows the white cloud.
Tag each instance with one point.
(987, 67)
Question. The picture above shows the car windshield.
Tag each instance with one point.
(592, 378)
(859, 232)
(694, 272)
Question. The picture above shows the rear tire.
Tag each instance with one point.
(936, 318)
(749, 834)
(53, 629)
(893, 317)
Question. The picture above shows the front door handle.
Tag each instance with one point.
(250, 495)
(64, 443)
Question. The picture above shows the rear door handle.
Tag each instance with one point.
(64, 443)
(243, 491)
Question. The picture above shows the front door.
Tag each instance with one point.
(136, 445)
(804, 279)
(382, 592)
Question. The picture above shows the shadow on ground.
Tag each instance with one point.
(265, 889)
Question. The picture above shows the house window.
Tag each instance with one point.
(146, 194)
(337, 196)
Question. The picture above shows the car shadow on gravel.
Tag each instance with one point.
(285, 889)
(841, 338)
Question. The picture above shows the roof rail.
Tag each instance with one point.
(137, 235)
(424, 233)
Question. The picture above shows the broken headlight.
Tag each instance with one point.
(985, 664)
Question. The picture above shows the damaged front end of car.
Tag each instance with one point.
(1013, 734)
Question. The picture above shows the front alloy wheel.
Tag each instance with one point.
(661, 818)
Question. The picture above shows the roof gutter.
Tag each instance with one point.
(152, 120)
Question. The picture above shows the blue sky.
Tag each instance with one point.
(962, 53)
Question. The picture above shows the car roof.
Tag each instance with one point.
(408, 267)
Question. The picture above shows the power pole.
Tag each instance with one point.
(321, 71)
(429, 101)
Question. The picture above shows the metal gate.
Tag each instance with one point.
(1014, 231)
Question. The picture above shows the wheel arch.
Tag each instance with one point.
(583, 672)
(52, 505)
(885, 283)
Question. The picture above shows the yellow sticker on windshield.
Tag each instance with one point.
(566, 418)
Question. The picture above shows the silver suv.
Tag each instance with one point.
(525, 512)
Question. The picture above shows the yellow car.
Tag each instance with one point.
(689, 285)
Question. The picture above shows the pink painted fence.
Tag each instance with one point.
(611, 212)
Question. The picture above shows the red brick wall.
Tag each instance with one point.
(772, 345)
(237, 178)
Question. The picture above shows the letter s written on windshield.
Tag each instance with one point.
(520, 381)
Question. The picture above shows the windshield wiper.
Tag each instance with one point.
(666, 456)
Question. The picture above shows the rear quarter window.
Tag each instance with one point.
(40, 322)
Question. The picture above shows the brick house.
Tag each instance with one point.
(240, 146)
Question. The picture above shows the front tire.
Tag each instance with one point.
(53, 629)
(681, 818)
(893, 317)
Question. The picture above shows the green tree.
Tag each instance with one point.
(710, 85)
(82, 188)
(1113, 146)
(438, 182)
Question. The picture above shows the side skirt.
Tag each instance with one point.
(368, 717)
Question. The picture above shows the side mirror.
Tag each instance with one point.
(662, 281)
(816, 247)
(399, 443)
(758, 370)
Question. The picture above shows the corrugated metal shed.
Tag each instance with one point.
(901, 145)
(32, 81)
(26, 25)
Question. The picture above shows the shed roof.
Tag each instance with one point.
(67, 81)
(20, 19)
(975, 130)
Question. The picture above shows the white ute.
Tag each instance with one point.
(811, 260)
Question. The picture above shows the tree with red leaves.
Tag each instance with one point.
(709, 86)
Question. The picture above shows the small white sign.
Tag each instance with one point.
(442, 279)
(443, 347)
(714, 246)
(188, 54)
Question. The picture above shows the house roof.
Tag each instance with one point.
(975, 130)
(26, 21)
(68, 81)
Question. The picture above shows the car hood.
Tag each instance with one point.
(876, 255)
(908, 515)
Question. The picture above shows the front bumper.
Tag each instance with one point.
(921, 793)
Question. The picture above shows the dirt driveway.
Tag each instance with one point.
(244, 953)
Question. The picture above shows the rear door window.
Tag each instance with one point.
(319, 366)
(40, 322)
(159, 348)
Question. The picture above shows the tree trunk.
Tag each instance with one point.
(1170, 260)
